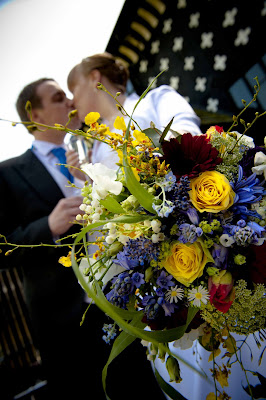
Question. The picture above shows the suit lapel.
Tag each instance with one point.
(34, 172)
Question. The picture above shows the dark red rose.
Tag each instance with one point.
(190, 155)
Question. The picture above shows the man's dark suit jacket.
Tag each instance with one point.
(53, 295)
(28, 195)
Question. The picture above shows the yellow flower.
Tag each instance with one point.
(65, 261)
(120, 124)
(222, 375)
(134, 170)
(214, 353)
(91, 118)
(186, 262)
(120, 155)
(211, 396)
(141, 138)
(211, 192)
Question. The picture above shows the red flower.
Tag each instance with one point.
(190, 155)
(221, 290)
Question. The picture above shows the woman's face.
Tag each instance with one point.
(84, 95)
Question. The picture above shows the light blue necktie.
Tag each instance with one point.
(60, 153)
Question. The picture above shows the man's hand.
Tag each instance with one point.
(64, 214)
(72, 158)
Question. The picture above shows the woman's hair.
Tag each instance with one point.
(29, 93)
(110, 67)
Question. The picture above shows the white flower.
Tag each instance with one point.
(186, 341)
(123, 239)
(226, 240)
(157, 237)
(110, 239)
(198, 295)
(174, 294)
(246, 140)
(104, 179)
(156, 225)
(260, 164)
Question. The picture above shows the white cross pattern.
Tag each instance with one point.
(181, 4)
(164, 63)
(155, 47)
(143, 65)
(229, 17)
(200, 84)
(167, 25)
(220, 62)
(212, 105)
(189, 63)
(151, 78)
(174, 82)
(206, 40)
(194, 20)
(242, 36)
(178, 43)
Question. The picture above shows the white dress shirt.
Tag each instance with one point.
(159, 106)
(42, 150)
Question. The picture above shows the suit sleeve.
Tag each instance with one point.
(19, 223)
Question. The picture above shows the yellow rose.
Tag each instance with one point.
(211, 192)
(186, 262)
(91, 118)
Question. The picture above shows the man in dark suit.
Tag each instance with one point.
(37, 208)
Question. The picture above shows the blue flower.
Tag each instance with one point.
(125, 262)
(164, 281)
(193, 216)
(247, 191)
(220, 255)
(189, 233)
(168, 181)
(137, 279)
(140, 250)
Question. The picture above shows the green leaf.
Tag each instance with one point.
(168, 389)
(111, 204)
(135, 188)
(166, 130)
(154, 135)
(119, 345)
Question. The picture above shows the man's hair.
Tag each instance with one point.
(29, 93)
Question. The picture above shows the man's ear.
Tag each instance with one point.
(35, 116)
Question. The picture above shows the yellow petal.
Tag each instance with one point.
(91, 118)
(211, 396)
(120, 124)
(214, 354)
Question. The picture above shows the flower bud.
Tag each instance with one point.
(148, 274)
(114, 249)
(173, 369)
(221, 290)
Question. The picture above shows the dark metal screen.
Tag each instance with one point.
(212, 51)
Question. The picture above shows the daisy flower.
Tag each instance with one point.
(174, 294)
(198, 295)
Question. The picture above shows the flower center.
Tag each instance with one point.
(198, 296)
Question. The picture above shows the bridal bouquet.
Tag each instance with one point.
(180, 234)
